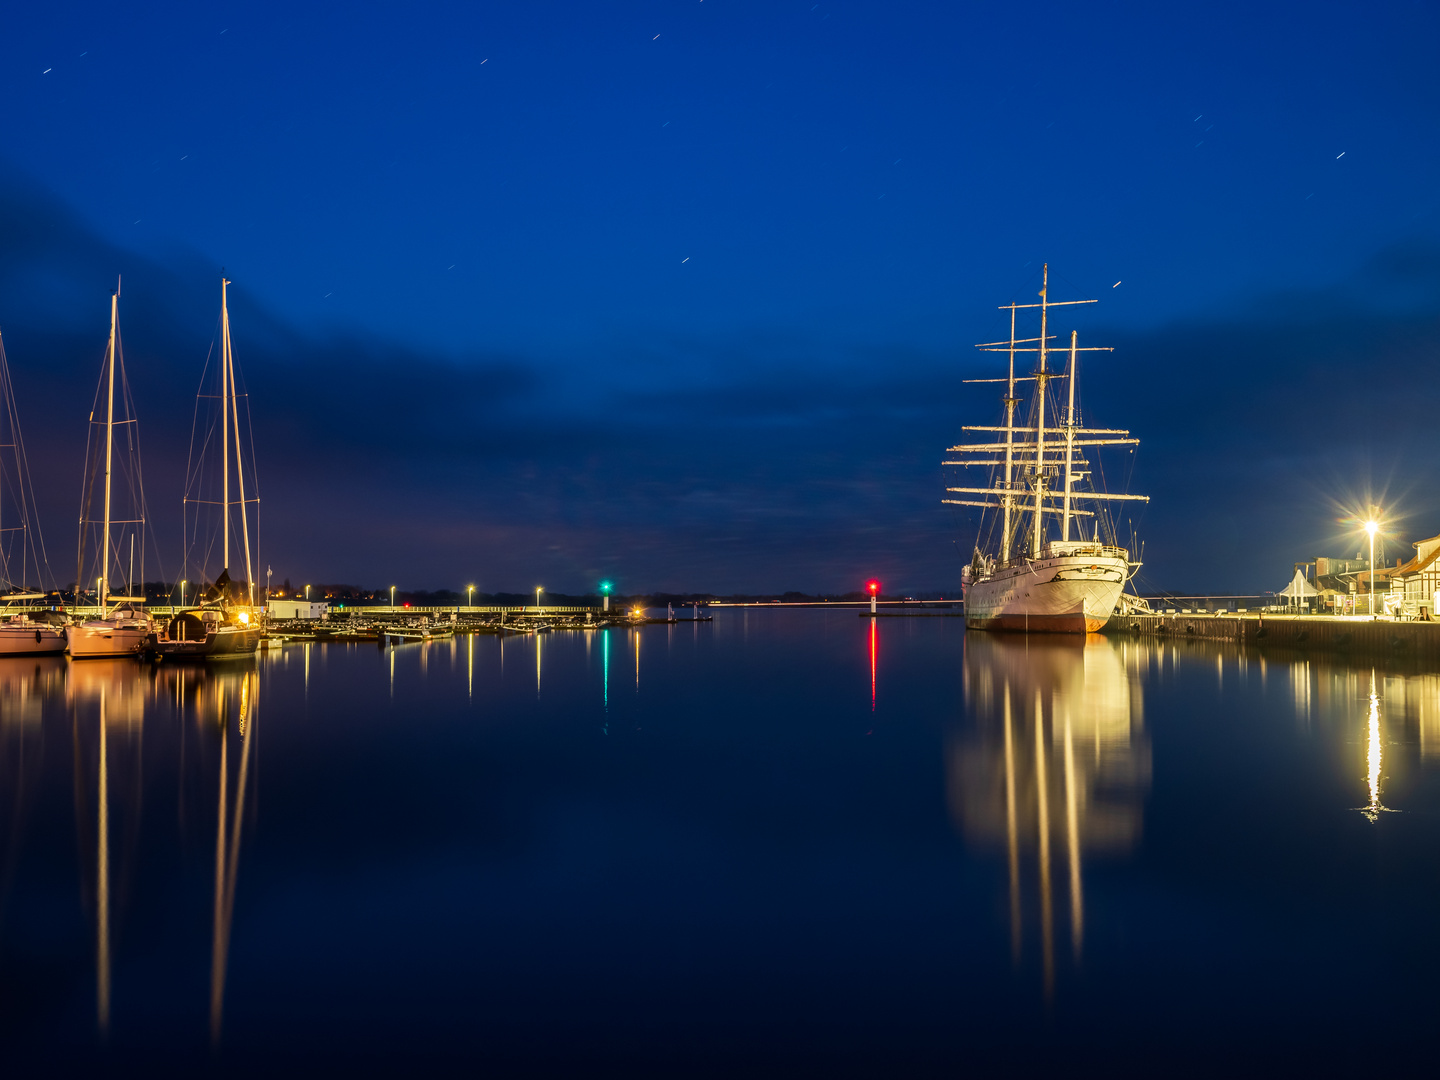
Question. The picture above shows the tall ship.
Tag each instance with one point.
(1047, 557)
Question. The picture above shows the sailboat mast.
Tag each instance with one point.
(1040, 421)
(225, 421)
(109, 450)
(240, 468)
(1069, 439)
(1009, 499)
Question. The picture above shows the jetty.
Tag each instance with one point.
(1373, 636)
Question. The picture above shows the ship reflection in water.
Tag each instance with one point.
(107, 702)
(1052, 769)
(749, 852)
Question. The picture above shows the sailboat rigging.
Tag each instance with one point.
(1026, 578)
(24, 569)
(125, 629)
(226, 623)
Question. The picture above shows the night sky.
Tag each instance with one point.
(682, 294)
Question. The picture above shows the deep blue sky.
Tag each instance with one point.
(459, 238)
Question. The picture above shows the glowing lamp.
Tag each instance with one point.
(244, 618)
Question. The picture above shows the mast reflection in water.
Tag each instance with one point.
(1054, 759)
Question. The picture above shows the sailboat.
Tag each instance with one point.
(1022, 575)
(219, 627)
(22, 548)
(125, 629)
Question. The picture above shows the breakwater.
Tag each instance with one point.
(1357, 635)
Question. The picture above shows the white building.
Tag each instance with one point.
(298, 609)
(1415, 587)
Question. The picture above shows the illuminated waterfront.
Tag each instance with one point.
(779, 837)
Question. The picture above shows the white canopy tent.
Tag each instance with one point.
(1299, 591)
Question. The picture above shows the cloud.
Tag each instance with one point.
(752, 460)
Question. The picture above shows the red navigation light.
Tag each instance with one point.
(873, 586)
(407, 605)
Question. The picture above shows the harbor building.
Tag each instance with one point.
(1415, 586)
(298, 608)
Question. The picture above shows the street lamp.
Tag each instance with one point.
(538, 590)
(605, 588)
(182, 592)
(1372, 528)
(470, 596)
(392, 596)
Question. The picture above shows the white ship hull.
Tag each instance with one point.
(27, 639)
(1069, 594)
(103, 638)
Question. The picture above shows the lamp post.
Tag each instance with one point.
(307, 594)
(605, 587)
(182, 592)
(469, 596)
(1371, 527)
(538, 590)
(392, 596)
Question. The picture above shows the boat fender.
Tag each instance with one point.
(37, 637)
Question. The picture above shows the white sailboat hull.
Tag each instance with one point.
(101, 638)
(27, 639)
(1069, 594)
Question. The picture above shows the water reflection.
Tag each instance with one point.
(1053, 759)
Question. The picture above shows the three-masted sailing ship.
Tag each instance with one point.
(1033, 567)
(226, 623)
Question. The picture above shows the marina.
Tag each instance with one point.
(1085, 865)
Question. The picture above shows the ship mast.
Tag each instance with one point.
(109, 451)
(239, 458)
(225, 425)
(1069, 440)
(1040, 422)
(1010, 401)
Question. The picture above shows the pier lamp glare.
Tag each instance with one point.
(1372, 527)
(244, 618)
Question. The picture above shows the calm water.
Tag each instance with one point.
(787, 839)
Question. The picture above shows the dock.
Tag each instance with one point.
(1342, 634)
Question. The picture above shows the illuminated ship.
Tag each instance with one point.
(1033, 567)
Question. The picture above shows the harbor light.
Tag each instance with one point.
(244, 618)
(469, 595)
(392, 596)
(307, 593)
(538, 590)
(182, 592)
(605, 588)
(873, 587)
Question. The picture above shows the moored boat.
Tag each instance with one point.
(1022, 575)
(124, 629)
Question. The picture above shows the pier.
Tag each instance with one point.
(1342, 634)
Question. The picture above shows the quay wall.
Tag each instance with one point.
(1354, 635)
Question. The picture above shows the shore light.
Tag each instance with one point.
(182, 592)
(873, 588)
(1372, 527)
(605, 588)
(392, 596)
(538, 590)
(469, 595)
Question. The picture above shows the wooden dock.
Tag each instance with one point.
(1354, 634)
